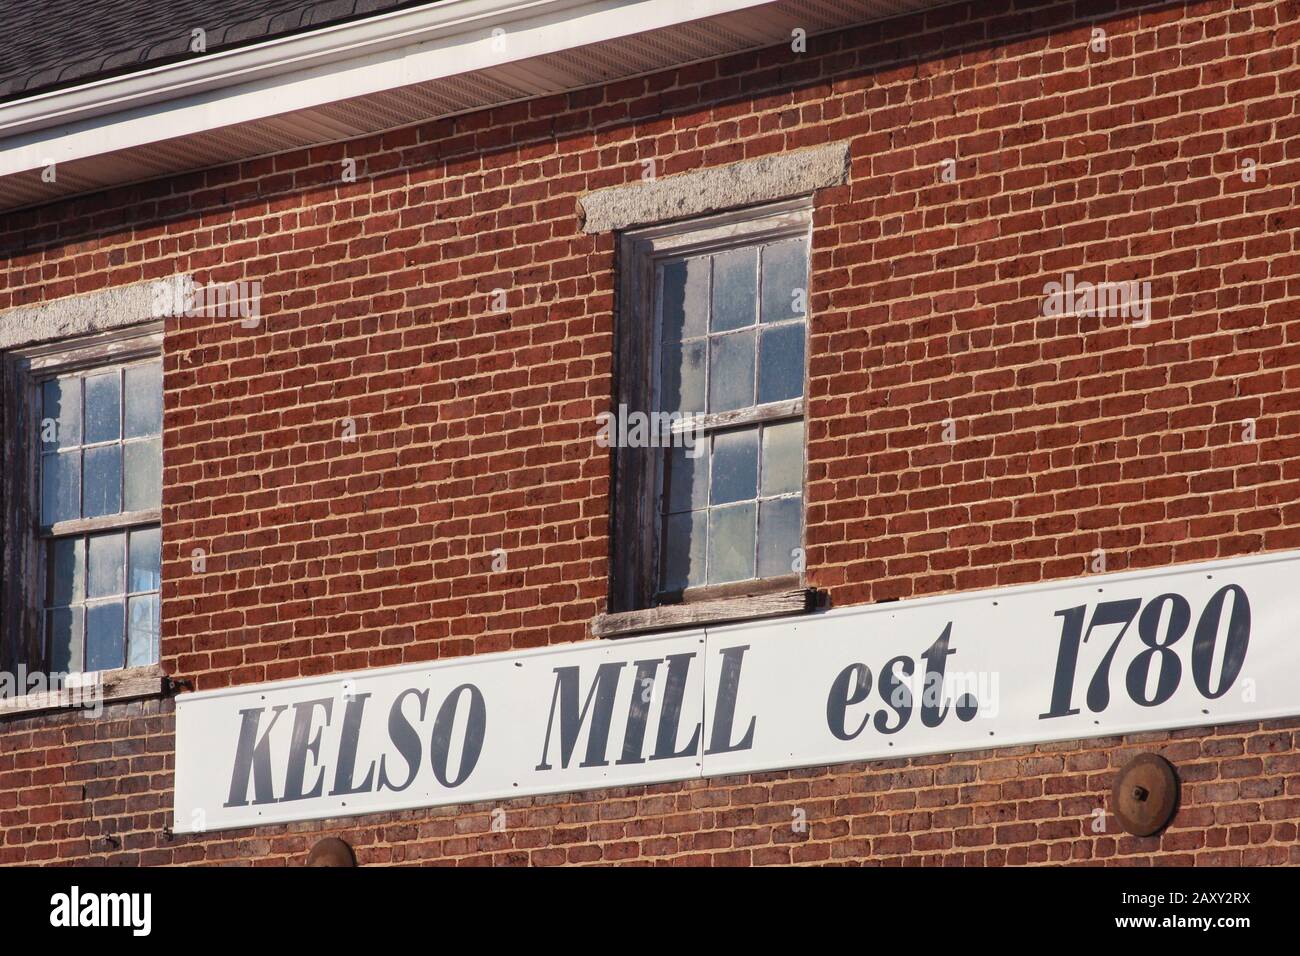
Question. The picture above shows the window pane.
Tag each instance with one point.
(778, 535)
(782, 458)
(104, 647)
(65, 571)
(103, 481)
(780, 372)
(107, 555)
(683, 565)
(749, 303)
(688, 478)
(61, 413)
(143, 474)
(731, 371)
(731, 543)
(144, 400)
(60, 487)
(685, 294)
(103, 407)
(144, 560)
(735, 466)
(142, 631)
(63, 639)
(735, 289)
(682, 387)
(785, 280)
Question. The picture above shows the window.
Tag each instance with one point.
(712, 339)
(88, 502)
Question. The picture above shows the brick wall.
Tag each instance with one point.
(99, 791)
(475, 430)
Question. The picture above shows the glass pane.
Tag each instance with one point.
(782, 458)
(683, 565)
(144, 560)
(63, 639)
(103, 407)
(107, 557)
(731, 371)
(143, 474)
(61, 413)
(735, 466)
(735, 289)
(685, 298)
(785, 280)
(682, 388)
(103, 481)
(688, 478)
(778, 536)
(780, 370)
(60, 487)
(731, 543)
(144, 400)
(65, 571)
(142, 630)
(104, 648)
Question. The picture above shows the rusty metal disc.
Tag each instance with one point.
(1145, 794)
(331, 851)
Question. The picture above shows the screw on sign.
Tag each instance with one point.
(1145, 794)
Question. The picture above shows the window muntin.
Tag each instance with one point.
(100, 479)
(730, 319)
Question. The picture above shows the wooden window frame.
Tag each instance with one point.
(635, 603)
(22, 639)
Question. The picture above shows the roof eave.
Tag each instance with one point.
(384, 72)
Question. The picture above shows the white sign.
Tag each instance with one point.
(1109, 654)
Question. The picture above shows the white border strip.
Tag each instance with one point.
(326, 66)
(822, 643)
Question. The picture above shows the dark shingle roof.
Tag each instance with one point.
(59, 43)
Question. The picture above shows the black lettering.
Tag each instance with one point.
(565, 696)
(851, 686)
(670, 717)
(724, 713)
(404, 737)
(351, 734)
(474, 731)
(936, 662)
(638, 712)
(302, 744)
(896, 694)
(253, 755)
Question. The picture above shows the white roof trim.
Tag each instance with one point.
(291, 54)
(323, 67)
(379, 73)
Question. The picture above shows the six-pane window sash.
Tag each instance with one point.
(100, 478)
(731, 342)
